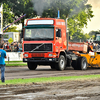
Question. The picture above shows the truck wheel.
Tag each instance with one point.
(61, 63)
(82, 63)
(74, 64)
(32, 66)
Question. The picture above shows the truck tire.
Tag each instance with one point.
(61, 63)
(74, 64)
(31, 65)
(82, 63)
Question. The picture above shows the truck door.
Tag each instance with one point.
(58, 40)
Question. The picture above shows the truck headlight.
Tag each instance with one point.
(25, 55)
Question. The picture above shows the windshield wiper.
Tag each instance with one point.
(37, 47)
(28, 39)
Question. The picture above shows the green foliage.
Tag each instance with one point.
(79, 37)
(77, 22)
(2, 1)
(11, 29)
(87, 36)
(7, 15)
(19, 8)
(93, 34)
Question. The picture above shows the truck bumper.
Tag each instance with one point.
(40, 60)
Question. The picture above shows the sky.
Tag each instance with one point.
(94, 24)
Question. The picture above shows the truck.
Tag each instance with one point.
(46, 42)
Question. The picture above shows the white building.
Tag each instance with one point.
(11, 36)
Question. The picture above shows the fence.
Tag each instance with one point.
(14, 56)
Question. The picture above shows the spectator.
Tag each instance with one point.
(7, 48)
(12, 47)
(96, 47)
(2, 62)
(90, 48)
(4, 45)
(15, 47)
(20, 47)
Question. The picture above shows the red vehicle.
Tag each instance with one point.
(45, 42)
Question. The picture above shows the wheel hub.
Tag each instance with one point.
(84, 64)
(62, 63)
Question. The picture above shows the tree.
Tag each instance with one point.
(21, 7)
(80, 20)
(7, 15)
(87, 36)
(93, 34)
(11, 29)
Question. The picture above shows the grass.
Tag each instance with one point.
(50, 79)
(15, 63)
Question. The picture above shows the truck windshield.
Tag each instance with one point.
(39, 34)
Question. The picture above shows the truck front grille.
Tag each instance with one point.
(40, 47)
(37, 54)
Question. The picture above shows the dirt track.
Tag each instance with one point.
(73, 90)
(67, 90)
(44, 71)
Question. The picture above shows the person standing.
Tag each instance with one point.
(2, 62)
(12, 47)
(16, 47)
(4, 46)
(20, 47)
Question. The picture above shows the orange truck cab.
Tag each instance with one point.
(45, 42)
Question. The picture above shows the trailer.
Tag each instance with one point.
(45, 42)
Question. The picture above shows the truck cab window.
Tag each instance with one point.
(28, 33)
(39, 34)
(58, 33)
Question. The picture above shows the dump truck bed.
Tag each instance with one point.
(78, 46)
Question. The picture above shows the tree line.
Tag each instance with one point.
(78, 13)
